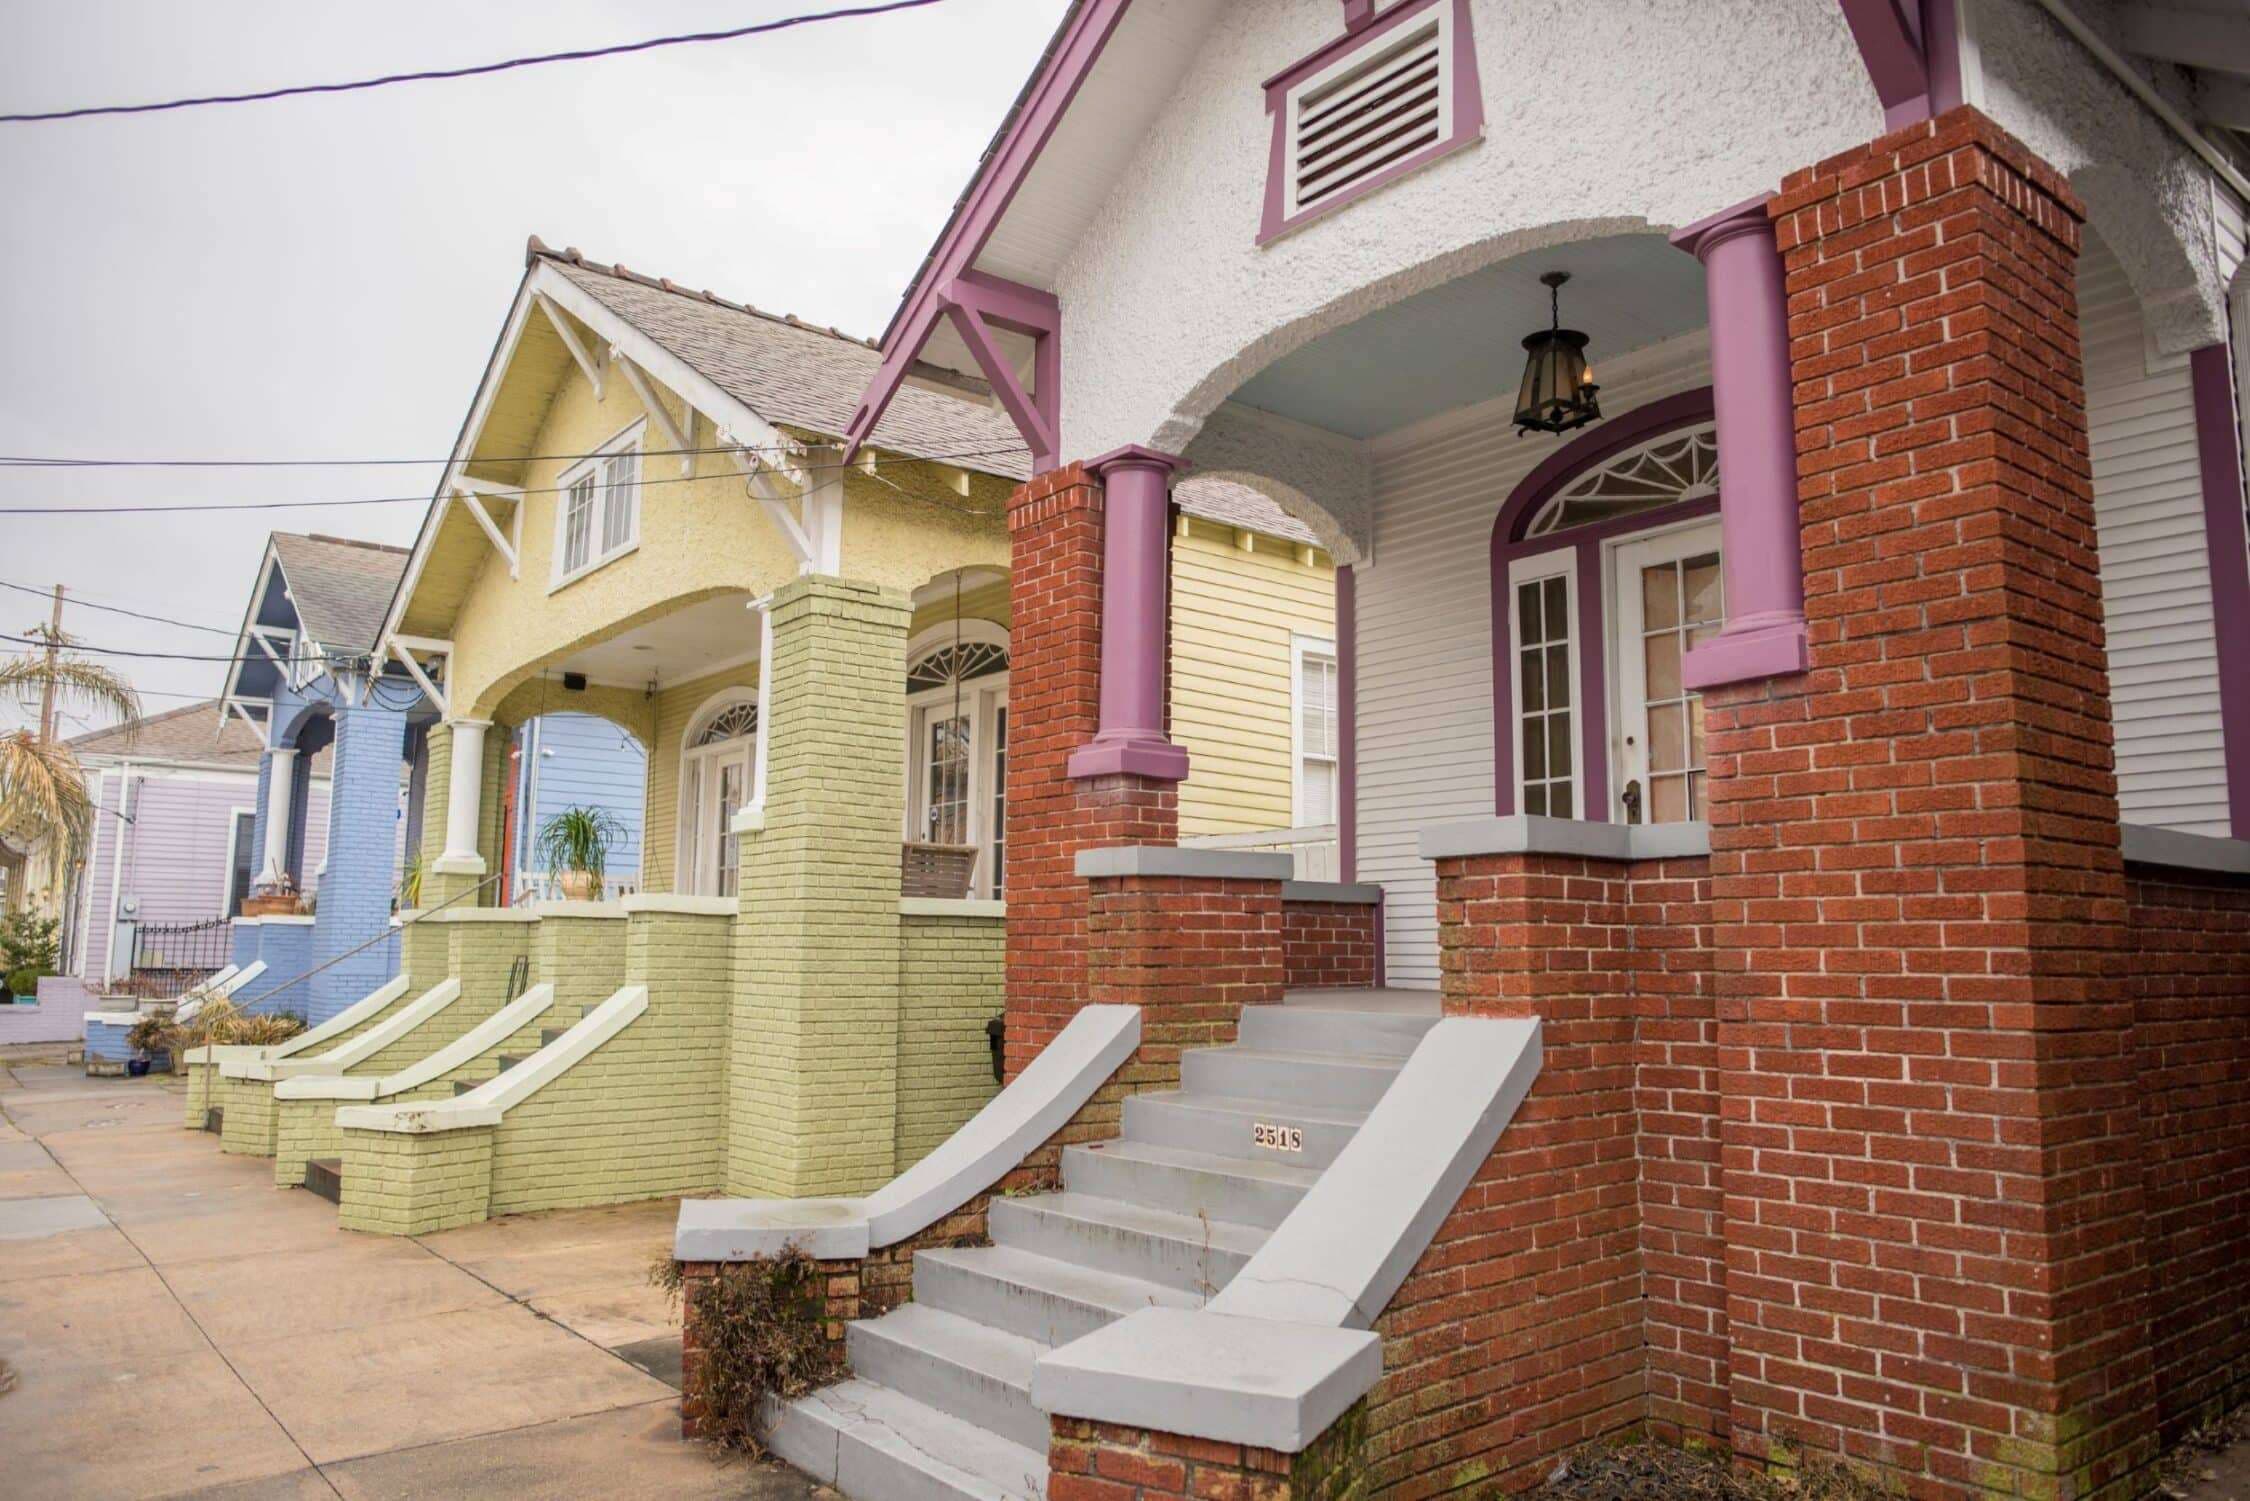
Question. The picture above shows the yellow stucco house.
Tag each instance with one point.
(648, 523)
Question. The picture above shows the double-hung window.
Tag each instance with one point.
(1315, 731)
(598, 516)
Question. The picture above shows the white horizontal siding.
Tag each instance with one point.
(2156, 578)
(1425, 643)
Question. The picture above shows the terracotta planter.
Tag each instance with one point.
(269, 906)
(579, 885)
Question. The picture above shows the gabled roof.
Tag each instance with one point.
(795, 374)
(340, 586)
(196, 733)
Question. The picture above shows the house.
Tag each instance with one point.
(168, 862)
(787, 983)
(1803, 755)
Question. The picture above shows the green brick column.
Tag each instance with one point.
(812, 1089)
(579, 948)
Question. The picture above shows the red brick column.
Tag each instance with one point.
(1930, 1134)
(1054, 701)
(1191, 952)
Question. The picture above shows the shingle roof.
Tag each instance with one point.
(177, 735)
(793, 373)
(341, 588)
(1231, 504)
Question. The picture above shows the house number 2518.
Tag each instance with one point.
(1277, 1138)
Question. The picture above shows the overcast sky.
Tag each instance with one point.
(324, 277)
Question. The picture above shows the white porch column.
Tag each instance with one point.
(463, 790)
(280, 782)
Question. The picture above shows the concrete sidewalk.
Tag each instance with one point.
(179, 1326)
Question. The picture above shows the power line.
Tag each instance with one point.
(187, 656)
(397, 500)
(87, 604)
(60, 461)
(431, 75)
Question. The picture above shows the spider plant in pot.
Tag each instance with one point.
(574, 846)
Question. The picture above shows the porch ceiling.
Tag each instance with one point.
(674, 648)
(1462, 342)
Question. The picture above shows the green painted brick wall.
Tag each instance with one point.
(639, 1117)
(397, 1184)
(952, 980)
(199, 1077)
(247, 1129)
(812, 1089)
(582, 957)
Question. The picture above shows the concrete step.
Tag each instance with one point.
(1247, 1191)
(1045, 1300)
(1225, 1126)
(973, 1371)
(875, 1444)
(1177, 1250)
(1351, 1081)
(1325, 1027)
(506, 1062)
(325, 1177)
(550, 1034)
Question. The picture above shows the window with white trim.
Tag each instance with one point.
(1398, 92)
(599, 515)
(1315, 730)
(1546, 697)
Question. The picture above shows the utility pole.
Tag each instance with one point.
(47, 688)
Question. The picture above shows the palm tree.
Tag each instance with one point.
(42, 790)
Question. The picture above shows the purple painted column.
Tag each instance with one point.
(2228, 545)
(1751, 392)
(1136, 563)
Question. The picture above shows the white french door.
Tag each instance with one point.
(1667, 596)
(714, 784)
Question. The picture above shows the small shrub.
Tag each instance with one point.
(764, 1335)
(219, 1021)
(150, 1035)
(24, 982)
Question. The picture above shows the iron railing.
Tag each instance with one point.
(170, 959)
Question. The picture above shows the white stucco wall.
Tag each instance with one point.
(2145, 191)
(1599, 119)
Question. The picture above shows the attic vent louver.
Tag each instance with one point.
(1372, 106)
(1379, 111)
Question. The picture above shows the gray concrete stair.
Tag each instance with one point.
(956, 1365)
(1044, 1300)
(1184, 1251)
(939, 1404)
(1223, 1125)
(876, 1444)
(1303, 1077)
(1250, 1191)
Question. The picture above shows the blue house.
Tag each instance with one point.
(311, 675)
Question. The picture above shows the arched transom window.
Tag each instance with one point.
(951, 664)
(735, 722)
(1679, 466)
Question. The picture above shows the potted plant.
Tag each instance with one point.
(277, 898)
(149, 1038)
(574, 846)
(409, 895)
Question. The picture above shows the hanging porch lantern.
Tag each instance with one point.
(1558, 385)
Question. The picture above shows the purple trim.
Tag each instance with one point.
(1347, 725)
(1468, 115)
(1912, 49)
(977, 304)
(1508, 544)
(1072, 56)
(1358, 13)
(1755, 404)
(2218, 449)
(1136, 565)
(1889, 35)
